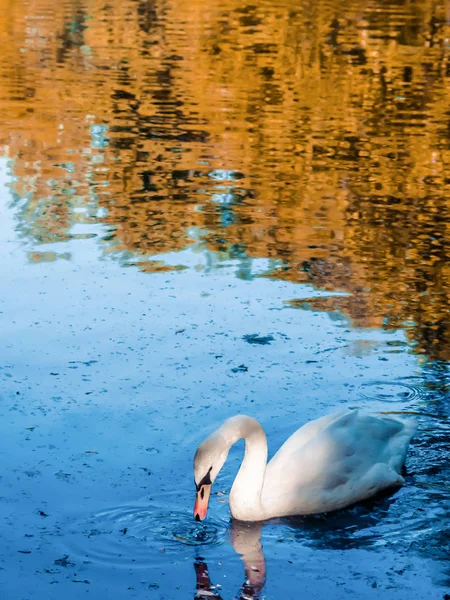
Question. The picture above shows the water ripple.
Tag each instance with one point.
(140, 536)
(391, 391)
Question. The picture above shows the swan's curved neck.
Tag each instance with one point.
(245, 495)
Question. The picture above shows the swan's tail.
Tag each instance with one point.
(398, 447)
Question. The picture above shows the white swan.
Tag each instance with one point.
(325, 465)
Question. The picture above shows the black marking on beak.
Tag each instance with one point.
(197, 517)
(205, 481)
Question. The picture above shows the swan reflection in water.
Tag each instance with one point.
(245, 538)
(348, 529)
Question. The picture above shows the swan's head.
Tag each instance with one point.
(208, 460)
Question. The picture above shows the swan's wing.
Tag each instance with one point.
(301, 437)
(350, 458)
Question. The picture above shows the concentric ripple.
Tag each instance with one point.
(392, 391)
(137, 535)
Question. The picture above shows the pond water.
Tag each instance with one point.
(210, 208)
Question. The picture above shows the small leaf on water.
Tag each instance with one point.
(64, 561)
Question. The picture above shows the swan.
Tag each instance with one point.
(327, 464)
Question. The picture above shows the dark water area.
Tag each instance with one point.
(209, 208)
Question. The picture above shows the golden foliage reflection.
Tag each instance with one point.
(315, 133)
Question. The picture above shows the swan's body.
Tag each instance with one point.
(325, 465)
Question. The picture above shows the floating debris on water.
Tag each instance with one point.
(260, 340)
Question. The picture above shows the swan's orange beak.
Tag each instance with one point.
(201, 502)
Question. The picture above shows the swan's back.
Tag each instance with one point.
(335, 461)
